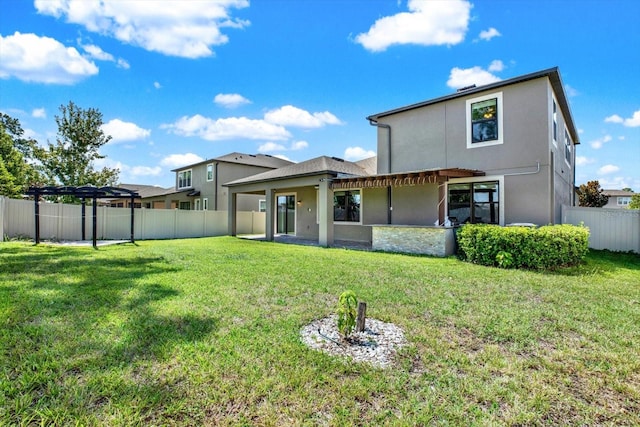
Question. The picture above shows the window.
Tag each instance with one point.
(567, 147)
(624, 201)
(210, 172)
(197, 205)
(555, 123)
(346, 206)
(184, 179)
(477, 202)
(205, 204)
(484, 120)
(262, 205)
(185, 206)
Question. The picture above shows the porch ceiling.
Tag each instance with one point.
(431, 176)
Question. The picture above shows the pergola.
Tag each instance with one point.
(83, 193)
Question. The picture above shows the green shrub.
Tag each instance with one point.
(545, 247)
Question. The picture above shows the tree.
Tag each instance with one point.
(635, 202)
(590, 195)
(16, 173)
(70, 161)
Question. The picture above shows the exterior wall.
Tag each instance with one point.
(435, 136)
(417, 205)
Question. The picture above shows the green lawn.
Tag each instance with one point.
(206, 332)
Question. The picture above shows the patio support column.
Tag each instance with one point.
(325, 213)
(270, 214)
(231, 213)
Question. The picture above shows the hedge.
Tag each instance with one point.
(546, 247)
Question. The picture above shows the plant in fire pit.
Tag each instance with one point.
(347, 305)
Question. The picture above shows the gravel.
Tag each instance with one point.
(376, 345)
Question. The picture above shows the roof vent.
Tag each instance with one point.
(462, 89)
(337, 159)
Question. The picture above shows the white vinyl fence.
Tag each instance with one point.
(64, 222)
(612, 229)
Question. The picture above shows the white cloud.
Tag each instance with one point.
(230, 100)
(32, 58)
(489, 34)
(97, 53)
(619, 182)
(121, 131)
(179, 160)
(631, 122)
(121, 63)
(299, 145)
(227, 128)
(582, 160)
(570, 91)
(496, 65)
(178, 28)
(463, 77)
(614, 119)
(427, 23)
(157, 85)
(357, 153)
(39, 113)
(294, 116)
(608, 169)
(270, 146)
(145, 171)
(598, 143)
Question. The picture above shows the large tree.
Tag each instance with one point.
(635, 202)
(590, 195)
(16, 171)
(70, 161)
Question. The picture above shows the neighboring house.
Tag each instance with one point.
(199, 186)
(151, 197)
(618, 199)
(500, 153)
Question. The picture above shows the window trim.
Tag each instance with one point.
(568, 149)
(554, 121)
(205, 203)
(190, 171)
(469, 122)
(471, 180)
(623, 200)
(207, 172)
(260, 202)
(359, 222)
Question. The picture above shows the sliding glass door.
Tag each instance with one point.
(286, 218)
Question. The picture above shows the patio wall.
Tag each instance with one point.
(64, 222)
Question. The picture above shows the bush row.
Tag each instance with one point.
(545, 247)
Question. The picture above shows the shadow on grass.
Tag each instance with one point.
(67, 314)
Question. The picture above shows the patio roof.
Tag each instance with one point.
(428, 176)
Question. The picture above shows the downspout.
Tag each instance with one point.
(373, 122)
(215, 178)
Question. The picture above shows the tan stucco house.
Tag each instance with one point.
(502, 153)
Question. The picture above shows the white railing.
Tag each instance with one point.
(612, 229)
(64, 222)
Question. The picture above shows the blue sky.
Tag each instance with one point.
(183, 81)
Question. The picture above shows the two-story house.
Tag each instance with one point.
(199, 185)
(502, 153)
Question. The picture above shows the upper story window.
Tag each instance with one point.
(346, 206)
(210, 172)
(555, 123)
(184, 179)
(567, 147)
(484, 120)
(624, 201)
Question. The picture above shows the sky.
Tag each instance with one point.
(179, 82)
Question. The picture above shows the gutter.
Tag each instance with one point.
(375, 123)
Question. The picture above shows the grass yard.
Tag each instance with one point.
(206, 332)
